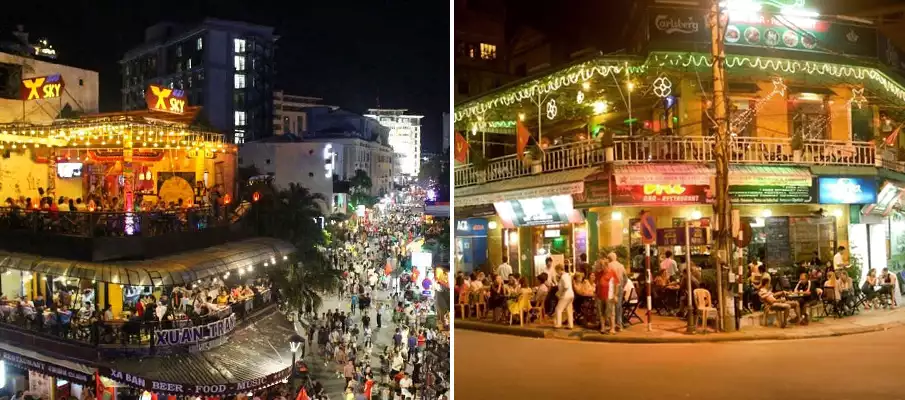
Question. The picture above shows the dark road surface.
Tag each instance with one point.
(866, 366)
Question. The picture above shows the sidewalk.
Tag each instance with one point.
(667, 329)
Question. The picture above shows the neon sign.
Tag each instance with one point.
(659, 190)
(661, 194)
(44, 87)
(165, 99)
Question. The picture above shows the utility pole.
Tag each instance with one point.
(721, 206)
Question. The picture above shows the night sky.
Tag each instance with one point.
(349, 52)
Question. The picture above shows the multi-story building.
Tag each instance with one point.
(224, 66)
(445, 147)
(404, 137)
(816, 160)
(289, 112)
(78, 90)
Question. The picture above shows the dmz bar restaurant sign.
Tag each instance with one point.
(661, 194)
(31, 364)
(784, 194)
(175, 388)
(164, 99)
(42, 87)
(195, 334)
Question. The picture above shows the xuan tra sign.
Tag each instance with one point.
(195, 334)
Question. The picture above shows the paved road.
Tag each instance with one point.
(867, 366)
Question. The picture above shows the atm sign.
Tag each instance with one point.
(42, 87)
(165, 99)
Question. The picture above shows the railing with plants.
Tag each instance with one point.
(673, 149)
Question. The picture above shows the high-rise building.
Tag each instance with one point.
(445, 147)
(290, 112)
(224, 66)
(404, 138)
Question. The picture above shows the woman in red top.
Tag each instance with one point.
(606, 305)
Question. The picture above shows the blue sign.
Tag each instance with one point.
(472, 227)
(848, 190)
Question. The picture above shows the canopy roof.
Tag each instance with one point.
(179, 269)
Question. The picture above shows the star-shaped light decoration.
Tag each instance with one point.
(779, 86)
(858, 98)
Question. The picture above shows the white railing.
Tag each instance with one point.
(676, 149)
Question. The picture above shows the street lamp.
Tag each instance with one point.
(295, 342)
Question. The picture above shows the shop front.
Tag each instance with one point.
(471, 244)
(45, 377)
(880, 228)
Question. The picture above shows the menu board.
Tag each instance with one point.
(676, 236)
(778, 247)
(810, 234)
(750, 194)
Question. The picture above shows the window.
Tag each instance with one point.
(179, 50)
(809, 119)
(267, 161)
(81, 82)
(239, 63)
(188, 64)
(463, 87)
(488, 51)
(240, 118)
(239, 81)
(239, 136)
(239, 45)
(199, 44)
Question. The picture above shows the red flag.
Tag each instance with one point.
(461, 148)
(521, 139)
(891, 139)
(303, 395)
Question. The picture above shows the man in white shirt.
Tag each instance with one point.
(669, 264)
(504, 270)
(566, 296)
(838, 262)
(619, 269)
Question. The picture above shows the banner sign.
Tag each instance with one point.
(31, 364)
(195, 334)
(42, 87)
(174, 388)
(849, 190)
(538, 211)
(676, 236)
(750, 194)
(596, 191)
(471, 227)
(762, 29)
(655, 194)
(164, 99)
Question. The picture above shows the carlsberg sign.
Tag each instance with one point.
(670, 24)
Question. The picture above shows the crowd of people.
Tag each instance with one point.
(380, 300)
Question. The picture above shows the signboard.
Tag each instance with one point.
(195, 334)
(666, 194)
(676, 236)
(42, 87)
(889, 198)
(174, 388)
(44, 368)
(848, 190)
(648, 229)
(750, 194)
(596, 191)
(538, 211)
(763, 29)
(164, 99)
(471, 227)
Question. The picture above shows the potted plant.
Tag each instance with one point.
(608, 146)
(797, 147)
(535, 159)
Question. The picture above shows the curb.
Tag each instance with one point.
(705, 338)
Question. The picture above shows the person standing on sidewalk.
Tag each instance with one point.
(504, 270)
(566, 296)
(621, 277)
(605, 281)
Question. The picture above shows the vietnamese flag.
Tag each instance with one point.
(521, 139)
(303, 395)
(368, 386)
(461, 151)
(100, 391)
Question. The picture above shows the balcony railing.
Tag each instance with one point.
(684, 149)
(106, 224)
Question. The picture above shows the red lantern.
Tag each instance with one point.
(227, 199)
(256, 196)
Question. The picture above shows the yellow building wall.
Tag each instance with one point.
(773, 117)
(495, 243)
(116, 299)
(691, 107)
(840, 114)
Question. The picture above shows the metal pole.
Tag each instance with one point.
(630, 112)
(741, 286)
(647, 268)
(540, 135)
(721, 151)
(690, 312)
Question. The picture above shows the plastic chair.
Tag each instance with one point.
(462, 306)
(704, 307)
(523, 305)
(480, 303)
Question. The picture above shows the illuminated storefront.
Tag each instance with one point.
(471, 244)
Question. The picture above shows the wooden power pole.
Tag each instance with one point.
(721, 206)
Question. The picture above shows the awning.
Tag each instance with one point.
(542, 185)
(683, 174)
(765, 175)
(62, 369)
(837, 170)
(178, 269)
(256, 356)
